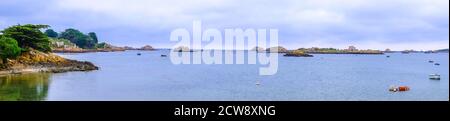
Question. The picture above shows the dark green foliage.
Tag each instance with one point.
(93, 36)
(80, 39)
(29, 36)
(100, 45)
(51, 33)
(9, 48)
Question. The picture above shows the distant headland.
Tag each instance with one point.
(73, 41)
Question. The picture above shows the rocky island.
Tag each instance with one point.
(297, 53)
(25, 49)
(278, 49)
(147, 48)
(349, 50)
(258, 49)
(182, 49)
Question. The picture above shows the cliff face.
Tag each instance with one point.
(36, 61)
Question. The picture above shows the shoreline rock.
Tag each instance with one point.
(147, 48)
(362, 53)
(258, 49)
(182, 49)
(277, 49)
(297, 53)
(85, 50)
(35, 61)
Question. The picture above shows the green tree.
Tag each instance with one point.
(51, 33)
(9, 48)
(93, 36)
(80, 39)
(100, 45)
(29, 36)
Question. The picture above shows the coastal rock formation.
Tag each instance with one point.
(297, 53)
(64, 45)
(147, 47)
(105, 47)
(129, 48)
(36, 61)
(278, 49)
(350, 50)
(182, 49)
(442, 51)
(68, 50)
(388, 50)
(102, 47)
(258, 49)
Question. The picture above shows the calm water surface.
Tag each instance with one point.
(126, 76)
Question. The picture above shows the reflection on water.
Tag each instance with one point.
(26, 87)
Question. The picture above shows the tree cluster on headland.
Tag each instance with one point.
(74, 41)
(25, 48)
(21, 38)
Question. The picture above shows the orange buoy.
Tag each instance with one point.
(403, 88)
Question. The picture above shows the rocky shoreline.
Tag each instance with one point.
(362, 53)
(35, 61)
(297, 53)
(85, 50)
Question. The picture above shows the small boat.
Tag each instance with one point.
(437, 64)
(388, 56)
(435, 77)
(393, 89)
(138, 53)
(258, 83)
(430, 61)
(403, 88)
(163, 55)
(399, 88)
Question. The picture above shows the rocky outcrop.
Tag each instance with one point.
(442, 51)
(278, 49)
(129, 48)
(182, 49)
(297, 53)
(110, 48)
(102, 47)
(36, 61)
(258, 49)
(147, 47)
(67, 50)
(351, 50)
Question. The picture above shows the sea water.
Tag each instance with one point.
(329, 77)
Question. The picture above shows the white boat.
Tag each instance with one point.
(435, 77)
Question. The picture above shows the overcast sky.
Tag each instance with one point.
(368, 24)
